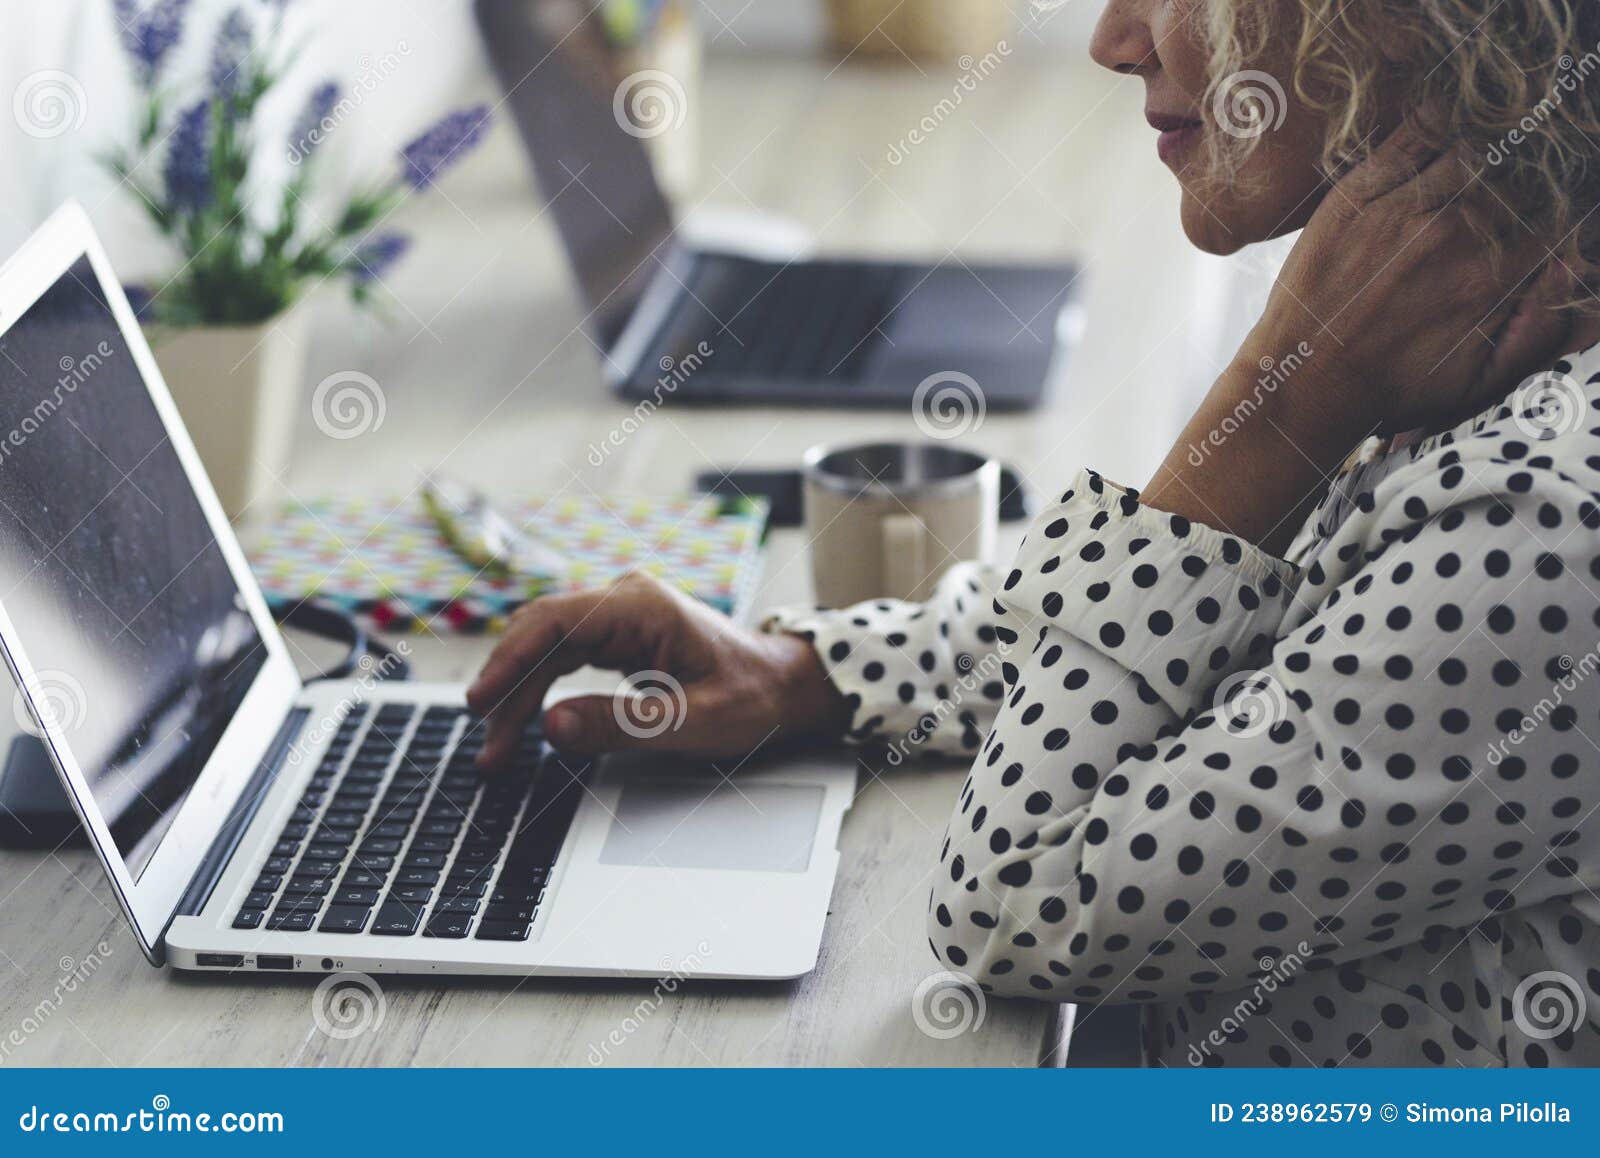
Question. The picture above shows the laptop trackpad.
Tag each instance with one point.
(684, 824)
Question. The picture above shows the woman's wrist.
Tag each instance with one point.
(806, 701)
(1258, 453)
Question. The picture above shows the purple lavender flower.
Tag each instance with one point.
(443, 145)
(188, 170)
(309, 130)
(234, 42)
(374, 258)
(150, 36)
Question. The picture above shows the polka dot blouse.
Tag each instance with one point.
(1329, 810)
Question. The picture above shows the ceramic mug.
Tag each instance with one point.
(885, 520)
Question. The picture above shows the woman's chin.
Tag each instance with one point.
(1208, 232)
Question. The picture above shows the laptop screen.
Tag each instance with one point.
(585, 120)
(139, 640)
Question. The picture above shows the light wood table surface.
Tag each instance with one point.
(487, 375)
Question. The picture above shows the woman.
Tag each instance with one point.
(1293, 747)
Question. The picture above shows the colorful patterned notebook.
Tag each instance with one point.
(385, 562)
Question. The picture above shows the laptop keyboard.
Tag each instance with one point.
(399, 833)
(811, 321)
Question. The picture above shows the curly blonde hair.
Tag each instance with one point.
(1517, 80)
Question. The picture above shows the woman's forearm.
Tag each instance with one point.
(1259, 451)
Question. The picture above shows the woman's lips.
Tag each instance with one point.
(1177, 134)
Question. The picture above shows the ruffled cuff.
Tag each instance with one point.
(1179, 603)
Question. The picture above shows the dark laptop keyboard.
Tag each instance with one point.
(399, 833)
(811, 321)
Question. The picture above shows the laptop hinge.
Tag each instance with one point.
(244, 810)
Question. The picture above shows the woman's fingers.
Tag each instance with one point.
(552, 637)
(1397, 161)
(625, 627)
(664, 718)
(1534, 333)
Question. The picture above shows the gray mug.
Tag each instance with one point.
(885, 520)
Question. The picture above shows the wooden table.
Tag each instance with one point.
(487, 375)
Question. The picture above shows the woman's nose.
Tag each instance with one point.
(1122, 39)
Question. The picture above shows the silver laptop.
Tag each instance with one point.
(737, 327)
(249, 821)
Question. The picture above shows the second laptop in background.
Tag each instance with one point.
(732, 327)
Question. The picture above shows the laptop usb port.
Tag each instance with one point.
(268, 961)
(220, 960)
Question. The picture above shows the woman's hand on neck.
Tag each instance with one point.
(1389, 315)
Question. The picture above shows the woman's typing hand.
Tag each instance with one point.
(714, 688)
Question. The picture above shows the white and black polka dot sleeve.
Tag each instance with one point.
(1204, 761)
(1140, 820)
(925, 679)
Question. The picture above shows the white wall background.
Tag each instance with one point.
(440, 65)
(787, 25)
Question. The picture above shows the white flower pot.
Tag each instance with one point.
(238, 389)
